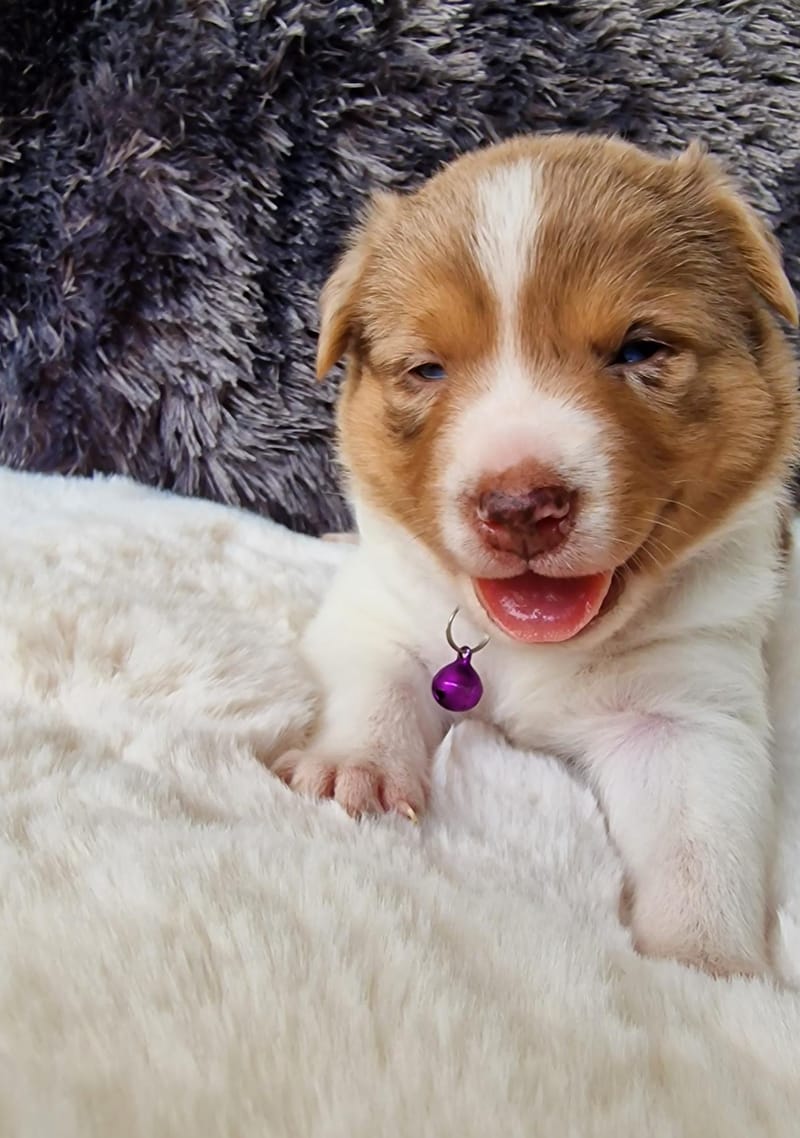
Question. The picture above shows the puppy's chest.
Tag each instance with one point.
(535, 703)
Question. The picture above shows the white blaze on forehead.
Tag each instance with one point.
(521, 416)
(508, 211)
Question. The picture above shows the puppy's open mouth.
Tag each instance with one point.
(535, 609)
(548, 610)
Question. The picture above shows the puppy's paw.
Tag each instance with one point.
(714, 963)
(358, 787)
(699, 948)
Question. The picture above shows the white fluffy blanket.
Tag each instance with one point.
(188, 949)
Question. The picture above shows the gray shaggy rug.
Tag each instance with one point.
(176, 176)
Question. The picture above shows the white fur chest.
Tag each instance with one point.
(529, 695)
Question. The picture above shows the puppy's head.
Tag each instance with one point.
(564, 370)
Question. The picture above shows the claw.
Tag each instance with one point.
(407, 812)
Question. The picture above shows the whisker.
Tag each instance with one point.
(681, 506)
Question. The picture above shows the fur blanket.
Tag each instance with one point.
(187, 948)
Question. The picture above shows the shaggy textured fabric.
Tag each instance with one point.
(186, 948)
(176, 175)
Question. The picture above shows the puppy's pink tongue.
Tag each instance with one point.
(542, 610)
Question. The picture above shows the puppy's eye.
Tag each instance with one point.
(635, 352)
(431, 373)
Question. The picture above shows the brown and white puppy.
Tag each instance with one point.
(570, 409)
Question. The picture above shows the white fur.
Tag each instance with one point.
(189, 949)
(507, 215)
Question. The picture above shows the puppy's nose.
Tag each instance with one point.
(526, 521)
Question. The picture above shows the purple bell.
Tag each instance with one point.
(457, 686)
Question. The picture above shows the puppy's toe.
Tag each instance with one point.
(307, 773)
(357, 789)
(404, 792)
(364, 788)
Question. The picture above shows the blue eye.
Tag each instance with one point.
(636, 352)
(430, 372)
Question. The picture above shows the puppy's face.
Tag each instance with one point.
(562, 370)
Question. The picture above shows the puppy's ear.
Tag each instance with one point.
(342, 290)
(338, 305)
(756, 245)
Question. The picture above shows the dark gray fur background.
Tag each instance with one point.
(176, 177)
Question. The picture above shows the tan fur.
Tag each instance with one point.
(625, 239)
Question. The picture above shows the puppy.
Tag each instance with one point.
(570, 410)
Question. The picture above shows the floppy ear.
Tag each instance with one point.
(340, 294)
(757, 246)
(337, 308)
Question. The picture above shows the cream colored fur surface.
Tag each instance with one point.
(187, 948)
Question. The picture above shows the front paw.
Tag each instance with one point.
(719, 951)
(358, 787)
(703, 957)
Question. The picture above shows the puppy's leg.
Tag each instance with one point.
(690, 808)
(378, 725)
